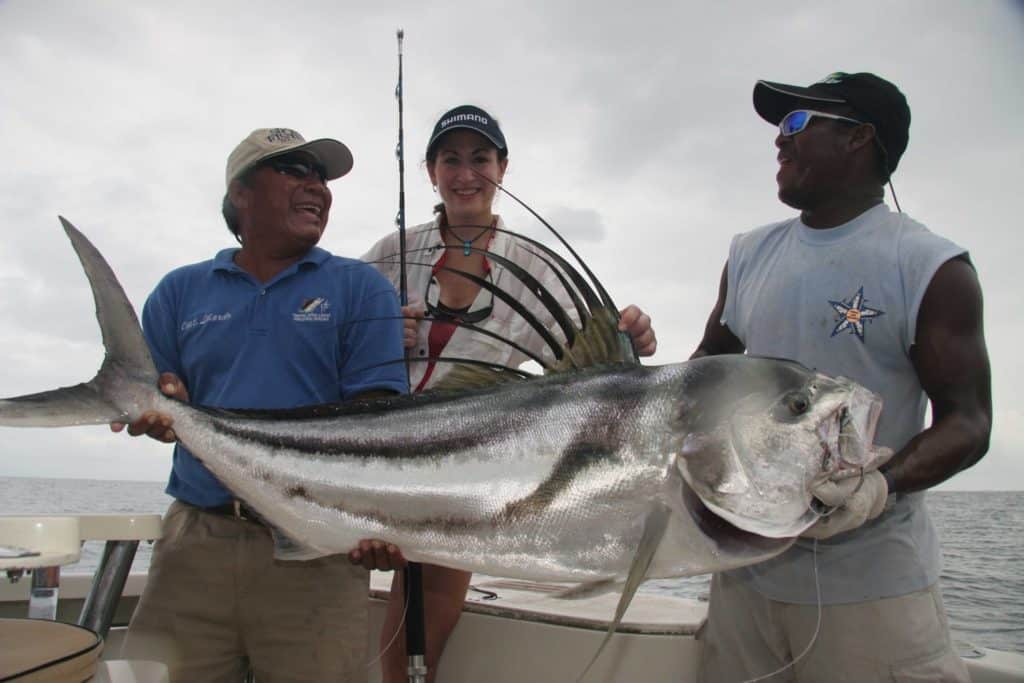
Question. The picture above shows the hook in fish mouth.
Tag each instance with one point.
(833, 434)
(830, 433)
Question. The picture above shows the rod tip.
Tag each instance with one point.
(400, 33)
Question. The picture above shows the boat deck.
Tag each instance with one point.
(515, 630)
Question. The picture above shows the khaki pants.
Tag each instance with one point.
(216, 603)
(905, 638)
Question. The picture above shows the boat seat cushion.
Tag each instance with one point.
(40, 651)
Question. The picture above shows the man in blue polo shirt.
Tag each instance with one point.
(276, 323)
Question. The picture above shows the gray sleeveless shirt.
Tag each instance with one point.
(845, 301)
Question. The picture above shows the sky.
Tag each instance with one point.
(630, 127)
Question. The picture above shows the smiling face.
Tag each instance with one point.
(284, 204)
(813, 163)
(460, 156)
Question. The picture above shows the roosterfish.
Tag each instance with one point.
(600, 471)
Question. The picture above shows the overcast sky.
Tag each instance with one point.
(630, 126)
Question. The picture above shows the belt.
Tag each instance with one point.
(236, 509)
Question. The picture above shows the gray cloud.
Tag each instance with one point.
(584, 225)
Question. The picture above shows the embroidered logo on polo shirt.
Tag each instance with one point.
(313, 310)
(204, 319)
(854, 314)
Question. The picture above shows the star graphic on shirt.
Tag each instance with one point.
(852, 313)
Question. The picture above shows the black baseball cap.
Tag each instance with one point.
(472, 118)
(876, 100)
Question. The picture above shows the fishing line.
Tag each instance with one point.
(398, 630)
(817, 626)
(893, 191)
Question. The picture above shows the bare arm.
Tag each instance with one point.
(718, 338)
(951, 360)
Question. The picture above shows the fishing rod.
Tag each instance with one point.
(403, 286)
(415, 641)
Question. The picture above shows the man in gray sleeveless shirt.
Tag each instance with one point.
(852, 288)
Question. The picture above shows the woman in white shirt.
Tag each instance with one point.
(466, 143)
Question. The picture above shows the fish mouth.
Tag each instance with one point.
(830, 434)
(847, 439)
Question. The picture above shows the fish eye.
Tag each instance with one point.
(791, 406)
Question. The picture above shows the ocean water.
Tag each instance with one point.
(983, 547)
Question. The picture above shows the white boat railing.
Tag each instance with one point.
(41, 545)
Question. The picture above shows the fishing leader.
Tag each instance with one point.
(852, 288)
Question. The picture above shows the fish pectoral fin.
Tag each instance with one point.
(589, 589)
(288, 549)
(654, 529)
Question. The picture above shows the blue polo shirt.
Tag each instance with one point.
(311, 335)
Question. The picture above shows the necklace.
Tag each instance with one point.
(467, 245)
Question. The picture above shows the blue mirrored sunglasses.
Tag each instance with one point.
(298, 168)
(795, 121)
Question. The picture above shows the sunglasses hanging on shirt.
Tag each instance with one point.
(437, 310)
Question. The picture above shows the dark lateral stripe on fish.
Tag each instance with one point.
(587, 450)
(596, 443)
(581, 454)
(485, 431)
(446, 444)
(341, 445)
(391, 405)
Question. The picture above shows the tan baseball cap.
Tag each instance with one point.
(264, 143)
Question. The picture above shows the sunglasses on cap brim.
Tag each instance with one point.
(795, 121)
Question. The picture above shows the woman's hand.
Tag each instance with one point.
(637, 325)
(374, 554)
(413, 314)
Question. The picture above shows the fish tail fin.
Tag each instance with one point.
(654, 529)
(128, 361)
